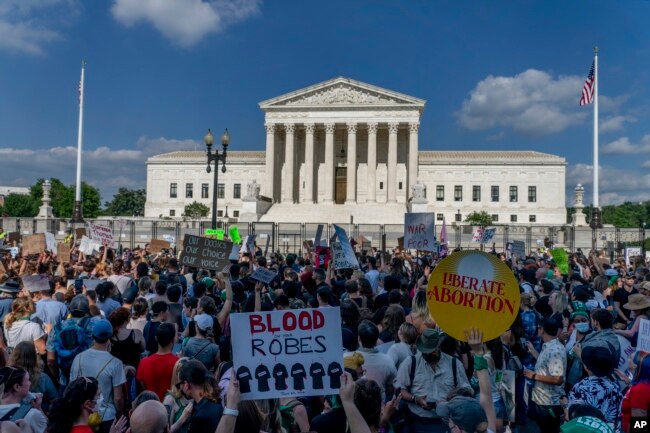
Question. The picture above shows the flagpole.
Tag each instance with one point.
(77, 216)
(596, 202)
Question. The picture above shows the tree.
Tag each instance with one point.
(196, 210)
(482, 219)
(63, 198)
(126, 202)
(20, 205)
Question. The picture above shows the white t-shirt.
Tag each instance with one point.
(34, 418)
(23, 330)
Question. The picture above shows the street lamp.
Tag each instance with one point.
(216, 157)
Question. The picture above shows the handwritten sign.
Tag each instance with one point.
(519, 249)
(50, 242)
(89, 246)
(157, 245)
(102, 234)
(287, 353)
(483, 236)
(263, 275)
(347, 252)
(34, 244)
(474, 286)
(419, 231)
(643, 342)
(205, 253)
(63, 252)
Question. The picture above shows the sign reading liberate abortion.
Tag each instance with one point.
(473, 289)
(287, 353)
(205, 253)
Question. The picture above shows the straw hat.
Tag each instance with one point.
(637, 301)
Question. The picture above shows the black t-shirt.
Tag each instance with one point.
(205, 417)
(542, 307)
(244, 377)
(298, 374)
(334, 371)
(350, 337)
(316, 371)
(263, 376)
(621, 296)
(333, 421)
(280, 374)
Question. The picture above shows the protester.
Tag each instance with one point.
(636, 402)
(155, 371)
(15, 404)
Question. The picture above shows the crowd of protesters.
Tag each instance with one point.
(134, 340)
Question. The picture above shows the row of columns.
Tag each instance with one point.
(287, 184)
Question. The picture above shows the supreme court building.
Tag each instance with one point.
(344, 149)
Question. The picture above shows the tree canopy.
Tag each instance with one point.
(126, 202)
(626, 215)
(482, 218)
(196, 210)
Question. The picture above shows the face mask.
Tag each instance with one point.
(582, 327)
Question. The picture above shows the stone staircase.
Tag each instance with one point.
(363, 213)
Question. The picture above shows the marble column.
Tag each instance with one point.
(372, 163)
(351, 195)
(412, 168)
(289, 158)
(270, 159)
(392, 163)
(329, 163)
(309, 163)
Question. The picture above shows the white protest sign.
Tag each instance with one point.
(519, 249)
(288, 353)
(89, 246)
(340, 259)
(248, 245)
(50, 242)
(643, 343)
(346, 248)
(264, 275)
(419, 231)
(477, 236)
(488, 234)
(234, 252)
(631, 252)
(102, 234)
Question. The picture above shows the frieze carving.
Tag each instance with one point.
(342, 94)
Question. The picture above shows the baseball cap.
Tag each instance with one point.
(102, 330)
(465, 412)
(203, 321)
(80, 303)
(611, 272)
(585, 424)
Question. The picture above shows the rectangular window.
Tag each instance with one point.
(189, 190)
(221, 190)
(513, 218)
(235, 214)
(400, 186)
(440, 193)
(381, 185)
(532, 194)
(532, 218)
(172, 212)
(476, 193)
(173, 187)
(219, 213)
(459, 217)
(205, 189)
(458, 193)
(237, 191)
(495, 218)
(440, 217)
(495, 193)
(514, 195)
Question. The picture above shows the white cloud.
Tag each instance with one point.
(184, 22)
(646, 164)
(623, 146)
(615, 123)
(532, 103)
(615, 185)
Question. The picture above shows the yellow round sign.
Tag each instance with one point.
(473, 289)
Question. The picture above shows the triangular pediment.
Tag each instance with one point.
(342, 92)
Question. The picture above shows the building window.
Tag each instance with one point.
(173, 193)
(476, 193)
(189, 190)
(221, 190)
(458, 193)
(172, 212)
(440, 193)
(459, 217)
(205, 189)
(532, 218)
(495, 193)
(495, 218)
(219, 213)
(513, 218)
(235, 214)
(440, 217)
(400, 186)
(381, 185)
(237, 191)
(532, 194)
(514, 195)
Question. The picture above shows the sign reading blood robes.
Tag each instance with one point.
(287, 353)
(473, 289)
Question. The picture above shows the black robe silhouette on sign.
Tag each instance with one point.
(298, 374)
(316, 371)
(334, 371)
(280, 375)
(244, 377)
(263, 376)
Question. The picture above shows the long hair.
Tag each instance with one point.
(67, 409)
(9, 377)
(24, 356)
(393, 319)
(173, 390)
(642, 361)
(250, 419)
(119, 317)
(21, 307)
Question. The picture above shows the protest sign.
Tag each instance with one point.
(631, 252)
(561, 260)
(473, 289)
(34, 244)
(89, 246)
(364, 242)
(264, 275)
(234, 252)
(419, 231)
(643, 342)
(287, 353)
(220, 234)
(63, 252)
(36, 283)
(319, 235)
(169, 238)
(157, 245)
(322, 257)
(13, 237)
(50, 242)
(248, 246)
(519, 249)
(101, 234)
(91, 284)
(346, 249)
(210, 232)
(341, 260)
(308, 245)
(488, 235)
(234, 235)
(80, 232)
(205, 253)
(477, 237)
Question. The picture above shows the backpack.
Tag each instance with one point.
(286, 413)
(69, 342)
(364, 311)
(17, 413)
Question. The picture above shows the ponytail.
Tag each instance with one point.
(21, 307)
(65, 410)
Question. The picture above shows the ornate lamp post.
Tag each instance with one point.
(216, 157)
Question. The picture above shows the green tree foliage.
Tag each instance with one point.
(63, 198)
(127, 202)
(196, 210)
(626, 215)
(482, 219)
(20, 205)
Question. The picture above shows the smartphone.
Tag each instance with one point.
(78, 286)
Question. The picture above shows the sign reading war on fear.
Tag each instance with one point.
(473, 289)
(419, 232)
(287, 353)
(205, 253)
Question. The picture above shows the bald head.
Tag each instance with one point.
(149, 417)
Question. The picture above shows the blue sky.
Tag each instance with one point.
(496, 75)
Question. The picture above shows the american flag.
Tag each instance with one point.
(588, 89)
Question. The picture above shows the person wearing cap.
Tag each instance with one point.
(198, 385)
(544, 405)
(49, 311)
(434, 378)
(202, 346)
(621, 296)
(8, 292)
(98, 362)
(639, 307)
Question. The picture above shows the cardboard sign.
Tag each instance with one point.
(205, 253)
(63, 252)
(234, 235)
(80, 232)
(36, 283)
(288, 353)
(419, 231)
(519, 249)
(34, 244)
(346, 249)
(308, 245)
(319, 235)
(473, 289)
(643, 342)
(248, 245)
(102, 234)
(50, 242)
(91, 285)
(263, 275)
(561, 260)
(157, 245)
(13, 237)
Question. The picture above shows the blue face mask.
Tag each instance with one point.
(582, 327)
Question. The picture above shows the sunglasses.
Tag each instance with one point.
(178, 385)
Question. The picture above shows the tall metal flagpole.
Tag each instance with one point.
(77, 216)
(595, 212)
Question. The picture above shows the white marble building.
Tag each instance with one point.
(343, 149)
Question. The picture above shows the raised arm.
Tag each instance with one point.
(475, 340)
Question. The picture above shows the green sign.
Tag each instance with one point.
(212, 232)
(220, 234)
(234, 235)
(561, 260)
